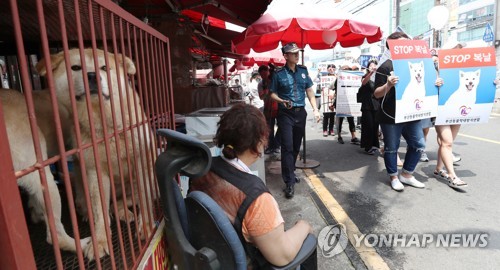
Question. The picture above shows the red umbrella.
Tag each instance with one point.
(274, 56)
(319, 26)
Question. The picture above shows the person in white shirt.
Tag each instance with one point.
(253, 93)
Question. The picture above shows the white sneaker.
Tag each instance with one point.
(411, 181)
(396, 185)
(456, 158)
(424, 158)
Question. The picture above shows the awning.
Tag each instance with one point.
(217, 37)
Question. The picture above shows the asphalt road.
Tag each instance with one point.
(360, 185)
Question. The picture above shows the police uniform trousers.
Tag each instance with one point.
(292, 126)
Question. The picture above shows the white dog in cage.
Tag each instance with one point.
(128, 145)
(23, 156)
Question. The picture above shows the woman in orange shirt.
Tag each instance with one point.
(242, 135)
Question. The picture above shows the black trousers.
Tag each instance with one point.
(328, 121)
(352, 126)
(369, 130)
(292, 126)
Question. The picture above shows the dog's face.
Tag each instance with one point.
(95, 74)
(416, 71)
(469, 80)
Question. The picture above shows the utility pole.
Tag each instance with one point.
(398, 12)
(436, 35)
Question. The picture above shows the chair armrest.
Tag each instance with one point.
(308, 247)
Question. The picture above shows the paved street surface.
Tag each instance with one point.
(352, 188)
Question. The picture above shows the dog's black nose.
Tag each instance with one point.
(92, 76)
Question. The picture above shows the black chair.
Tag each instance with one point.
(192, 158)
(198, 232)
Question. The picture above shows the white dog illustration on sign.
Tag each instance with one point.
(416, 87)
(466, 92)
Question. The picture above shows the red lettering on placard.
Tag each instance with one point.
(467, 57)
(408, 49)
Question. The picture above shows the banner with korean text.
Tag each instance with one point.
(348, 83)
(326, 84)
(468, 91)
(326, 81)
(416, 94)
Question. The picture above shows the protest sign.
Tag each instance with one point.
(468, 92)
(416, 94)
(348, 83)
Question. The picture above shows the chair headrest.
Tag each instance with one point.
(182, 144)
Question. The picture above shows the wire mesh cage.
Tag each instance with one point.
(88, 86)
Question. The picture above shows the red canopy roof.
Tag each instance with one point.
(239, 12)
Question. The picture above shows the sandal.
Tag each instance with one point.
(442, 173)
(456, 183)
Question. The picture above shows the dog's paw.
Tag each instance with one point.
(102, 249)
(144, 231)
(85, 242)
(121, 215)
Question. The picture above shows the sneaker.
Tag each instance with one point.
(456, 158)
(268, 151)
(411, 181)
(325, 133)
(424, 158)
(277, 150)
(396, 184)
(331, 133)
(340, 140)
(355, 141)
(371, 151)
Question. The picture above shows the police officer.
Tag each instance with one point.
(289, 87)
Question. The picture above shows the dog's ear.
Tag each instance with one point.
(129, 64)
(478, 72)
(461, 73)
(410, 65)
(55, 61)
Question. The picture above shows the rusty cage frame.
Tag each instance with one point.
(49, 26)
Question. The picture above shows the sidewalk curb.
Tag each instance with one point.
(369, 255)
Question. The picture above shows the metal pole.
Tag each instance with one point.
(303, 163)
(224, 64)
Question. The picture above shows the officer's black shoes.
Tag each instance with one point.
(289, 191)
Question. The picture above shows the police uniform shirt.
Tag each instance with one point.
(289, 85)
